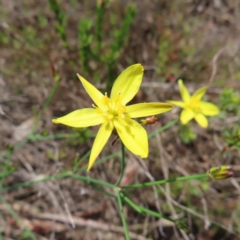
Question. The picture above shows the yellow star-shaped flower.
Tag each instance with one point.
(194, 107)
(112, 112)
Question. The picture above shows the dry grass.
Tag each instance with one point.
(203, 49)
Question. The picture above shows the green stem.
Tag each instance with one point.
(101, 8)
(39, 137)
(149, 184)
(131, 204)
(78, 162)
(122, 165)
(87, 180)
(122, 213)
(101, 160)
(58, 176)
(7, 171)
(46, 104)
(173, 122)
(110, 74)
(143, 210)
(103, 191)
(151, 135)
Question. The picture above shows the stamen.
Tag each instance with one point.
(94, 106)
(113, 107)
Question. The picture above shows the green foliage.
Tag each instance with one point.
(230, 101)
(30, 35)
(118, 44)
(83, 134)
(91, 36)
(6, 168)
(84, 40)
(61, 21)
(186, 133)
(104, 43)
(230, 104)
(100, 9)
(51, 155)
(180, 223)
(4, 39)
(231, 136)
(26, 235)
(123, 30)
(91, 45)
(43, 22)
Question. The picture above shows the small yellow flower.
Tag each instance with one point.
(112, 112)
(194, 107)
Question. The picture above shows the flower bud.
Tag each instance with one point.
(219, 173)
(149, 121)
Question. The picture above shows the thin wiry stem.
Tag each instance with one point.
(148, 184)
(118, 190)
(122, 165)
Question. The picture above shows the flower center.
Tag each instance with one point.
(113, 108)
(194, 105)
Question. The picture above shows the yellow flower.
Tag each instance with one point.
(112, 112)
(194, 107)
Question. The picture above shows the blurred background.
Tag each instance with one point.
(43, 44)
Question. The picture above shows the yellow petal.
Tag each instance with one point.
(80, 118)
(201, 120)
(128, 83)
(199, 94)
(186, 115)
(147, 109)
(183, 91)
(93, 92)
(209, 109)
(177, 103)
(99, 142)
(133, 135)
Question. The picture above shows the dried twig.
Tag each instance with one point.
(85, 223)
(214, 64)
